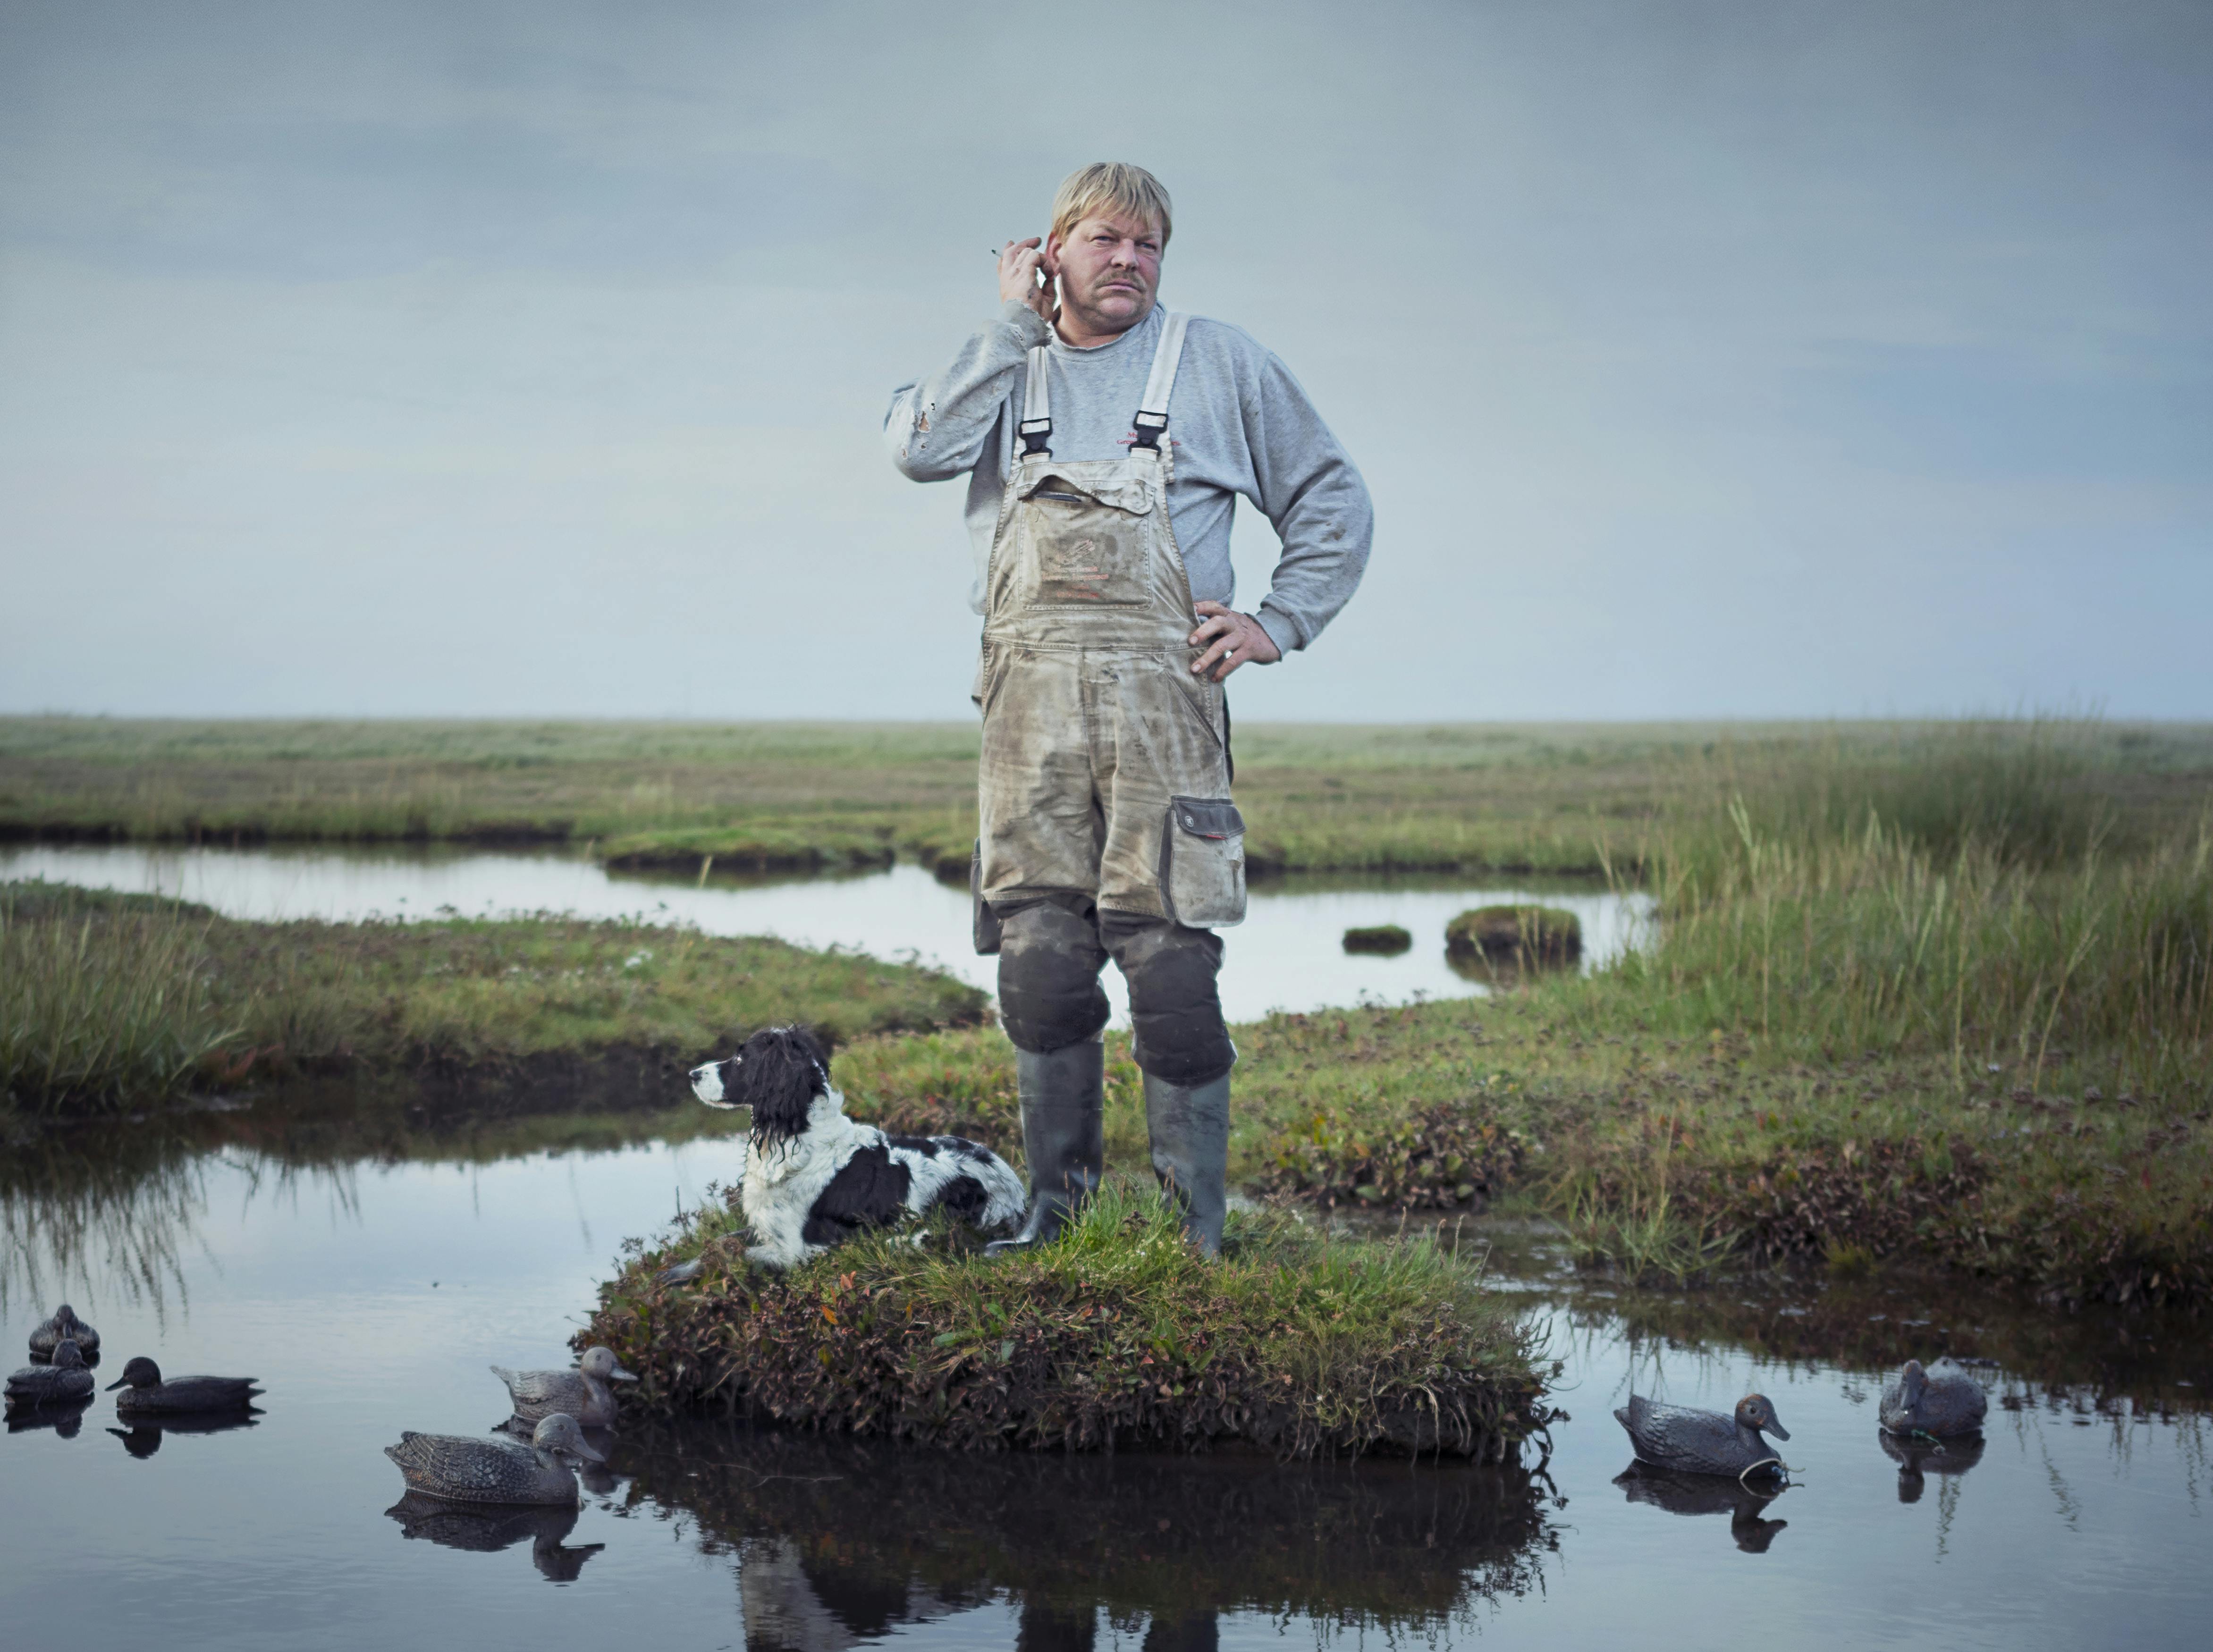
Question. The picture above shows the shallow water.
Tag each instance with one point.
(369, 1296)
(1288, 954)
(368, 1267)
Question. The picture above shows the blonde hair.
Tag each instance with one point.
(1110, 188)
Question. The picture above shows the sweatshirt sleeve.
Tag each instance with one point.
(937, 429)
(1309, 490)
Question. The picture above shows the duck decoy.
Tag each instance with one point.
(583, 1394)
(1707, 1494)
(64, 1326)
(465, 1469)
(145, 1394)
(487, 1530)
(63, 1380)
(1938, 1403)
(1703, 1442)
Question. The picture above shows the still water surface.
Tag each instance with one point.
(1288, 954)
(368, 1291)
(370, 1297)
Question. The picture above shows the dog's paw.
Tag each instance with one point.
(683, 1273)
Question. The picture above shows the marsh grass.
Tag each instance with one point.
(1645, 1234)
(1119, 1334)
(104, 1002)
(1865, 939)
(112, 1002)
(1454, 797)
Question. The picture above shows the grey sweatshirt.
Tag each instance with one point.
(1238, 423)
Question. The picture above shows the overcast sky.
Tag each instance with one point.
(1744, 359)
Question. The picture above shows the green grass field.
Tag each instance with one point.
(1534, 797)
(109, 1002)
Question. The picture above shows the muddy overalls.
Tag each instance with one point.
(1107, 827)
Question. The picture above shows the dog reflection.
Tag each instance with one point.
(486, 1527)
(143, 1437)
(1709, 1494)
(1917, 1458)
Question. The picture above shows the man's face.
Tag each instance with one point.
(1108, 269)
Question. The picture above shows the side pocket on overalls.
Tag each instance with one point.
(984, 921)
(1202, 863)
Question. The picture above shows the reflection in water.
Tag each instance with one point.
(486, 1528)
(143, 1439)
(842, 1541)
(1709, 1494)
(65, 1419)
(113, 1203)
(1916, 1459)
(117, 1206)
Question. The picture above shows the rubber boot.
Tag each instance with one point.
(1190, 1128)
(1063, 1137)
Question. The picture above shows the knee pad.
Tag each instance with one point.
(1174, 1008)
(1049, 990)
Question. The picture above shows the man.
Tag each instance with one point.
(1105, 439)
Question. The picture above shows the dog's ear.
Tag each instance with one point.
(804, 1039)
(779, 1073)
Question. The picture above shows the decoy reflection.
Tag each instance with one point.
(64, 1417)
(1917, 1458)
(143, 1437)
(486, 1528)
(1709, 1493)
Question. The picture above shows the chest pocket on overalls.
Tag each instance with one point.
(1202, 863)
(1090, 547)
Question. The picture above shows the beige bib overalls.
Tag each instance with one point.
(1106, 764)
(1107, 827)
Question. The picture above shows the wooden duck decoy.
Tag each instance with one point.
(1694, 1442)
(583, 1394)
(469, 1469)
(64, 1326)
(1939, 1403)
(146, 1395)
(63, 1381)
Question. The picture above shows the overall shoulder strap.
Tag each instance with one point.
(1152, 420)
(1036, 426)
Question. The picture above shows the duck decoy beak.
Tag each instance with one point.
(579, 1449)
(620, 1376)
(113, 1386)
(1777, 1430)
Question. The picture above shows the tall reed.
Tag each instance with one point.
(101, 1000)
(1975, 904)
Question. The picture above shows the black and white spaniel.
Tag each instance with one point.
(813, 1178)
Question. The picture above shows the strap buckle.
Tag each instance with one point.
(1151, 427)
(1037, 436)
